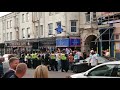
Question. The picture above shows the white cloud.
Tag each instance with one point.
(3, 13)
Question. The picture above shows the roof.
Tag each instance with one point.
(112, 62)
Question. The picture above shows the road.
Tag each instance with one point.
(52, 74)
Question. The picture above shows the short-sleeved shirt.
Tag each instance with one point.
(93, 60)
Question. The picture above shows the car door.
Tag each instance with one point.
(118, 71)
(104, 71)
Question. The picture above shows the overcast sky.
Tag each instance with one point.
(3, 13)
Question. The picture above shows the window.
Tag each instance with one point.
(41, 29)
(10, 23)
(4, 37)
(94, 16)
(105, 70)
(58, 24)
(10, 35)
(27, 17)
(50, 28)
(17, 21)
(118, 71)
(23, 33)
(28, 32)
(7, 36)
(87, 16)
(7, 24)
(3, 26)
(36, 16)
(37, 32)
(73, 26)
(117, 36)
(22, 18)
(50, 13)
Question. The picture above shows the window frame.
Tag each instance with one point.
(50, 30)
(73, 26)
(23, 18)
(86, 17)
(10, 35)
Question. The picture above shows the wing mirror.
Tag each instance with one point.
(85, 74)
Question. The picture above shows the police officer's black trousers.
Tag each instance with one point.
(34, 63)
(29, 63)
(54, 65)
(64, 65)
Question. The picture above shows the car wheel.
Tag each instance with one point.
(75, 69)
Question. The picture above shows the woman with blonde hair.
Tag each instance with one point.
(41, 71)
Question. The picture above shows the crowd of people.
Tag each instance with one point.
(55, 60)
(18, 69)
(59, 60)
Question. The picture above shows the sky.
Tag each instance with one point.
(3, 13)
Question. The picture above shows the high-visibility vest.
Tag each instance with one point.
(63, 57)
(52, 56)
(28, 57)
(34, 56)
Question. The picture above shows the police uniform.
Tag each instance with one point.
(53, 62)
(64, 62)
(34, 60)
(28, 57)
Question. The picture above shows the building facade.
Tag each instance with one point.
(109, 29)
(38, 30)
(88, 31)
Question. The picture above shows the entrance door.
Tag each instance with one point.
(90, 43)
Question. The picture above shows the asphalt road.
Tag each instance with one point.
(52, 74)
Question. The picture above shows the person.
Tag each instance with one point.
(107, 54)
(84, 54)
(6, 64)
(71, 60)
(41, 71)
(93, 60)
(13, 62)
(20, 71)
(1, 66)
(47, 60)
(34, 59)
(58, 60)
(64, 61)
(53, 61)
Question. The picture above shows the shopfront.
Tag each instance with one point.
(71, 42)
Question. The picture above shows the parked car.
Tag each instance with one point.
(82, 65)
(6, 61)
(105, 70)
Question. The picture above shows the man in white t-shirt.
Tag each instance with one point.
(93, 60)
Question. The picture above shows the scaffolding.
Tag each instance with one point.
(107, 21)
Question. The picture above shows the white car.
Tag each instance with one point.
(105, 70)
(6, 62)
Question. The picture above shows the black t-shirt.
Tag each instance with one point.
(47, 56)
(8, 74)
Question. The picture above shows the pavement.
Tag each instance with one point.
(52, 74)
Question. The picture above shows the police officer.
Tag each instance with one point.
(64, 62)
(34, 59)
(28, 57)
(53, 61)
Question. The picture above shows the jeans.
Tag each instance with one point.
(59, 64)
